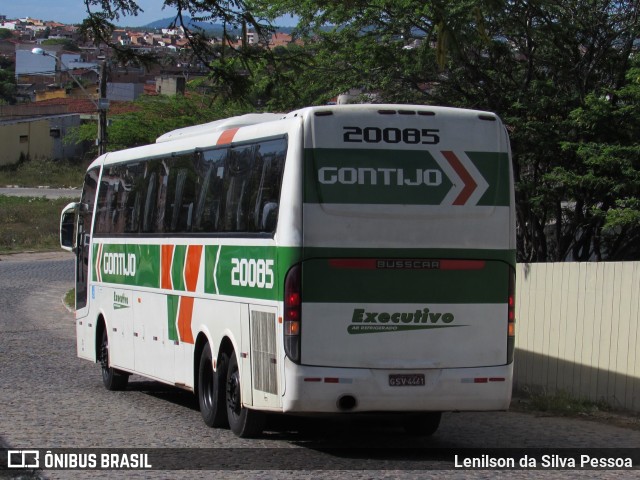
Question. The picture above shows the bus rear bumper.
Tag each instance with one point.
(344, 390)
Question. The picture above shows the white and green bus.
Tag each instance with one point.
(333, 260)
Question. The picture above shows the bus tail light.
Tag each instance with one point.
(511, 316)
(292, 313)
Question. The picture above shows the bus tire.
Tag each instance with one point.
(422, 424)
(244, 422)
(211, 393)
(112, 378)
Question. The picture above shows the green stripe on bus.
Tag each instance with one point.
(172, 316)
(325, 282)
(238, 270)
(395, 177)
(131, 264)
(94, 262)
(248, 271)
(210, 254)
(177, 267)
(389, 177)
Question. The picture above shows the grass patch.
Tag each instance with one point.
(560, 403)
(30, 224)
(563, 404)
(70, 298)
(35, 173)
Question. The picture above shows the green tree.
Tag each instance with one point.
(66, 43)
(153, 116)
(8, 87)
(547, 68)
(604, 181)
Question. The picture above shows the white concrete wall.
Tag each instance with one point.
(577, 330)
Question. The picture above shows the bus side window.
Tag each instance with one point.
(119, 214)
(89, 192)
(238, 169)
(134, 184)
(153, 199)
(211, 168)
(104, 214)
(162, 169)
(270, 157)
(200, 222)
(261, 203)
(119, 194)
(88, 199)
(180, 195)
(226, 189)
(150, 202)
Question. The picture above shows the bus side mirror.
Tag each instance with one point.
(68, 227)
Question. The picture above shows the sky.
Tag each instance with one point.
(73, 11)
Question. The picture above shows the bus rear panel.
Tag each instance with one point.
(408, 258)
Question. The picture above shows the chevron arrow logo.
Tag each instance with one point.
(468, 183)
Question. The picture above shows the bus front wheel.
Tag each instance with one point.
(112, 378)
(244, 422)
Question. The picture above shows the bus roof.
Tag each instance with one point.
(219, 125)
(256, 118)
(205, 130)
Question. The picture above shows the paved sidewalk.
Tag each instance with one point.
(71, 193)
(35, 256)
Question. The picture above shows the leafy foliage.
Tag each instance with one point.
(154, 116)
(8, 88)
(561, 76)
(66, 43)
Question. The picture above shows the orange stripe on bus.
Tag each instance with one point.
(185, 313)
(227, 136)
(165, 275)
(192, 267)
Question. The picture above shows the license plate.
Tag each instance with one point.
(406, 380)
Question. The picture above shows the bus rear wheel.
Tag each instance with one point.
(211, 393)
(244, 422)
(422, 424)
(112, 378)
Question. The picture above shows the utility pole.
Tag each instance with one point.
(244, 33)
(103, 105)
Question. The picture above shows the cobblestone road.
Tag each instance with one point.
(51, 399)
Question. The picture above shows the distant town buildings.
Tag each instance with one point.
(48, 92)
